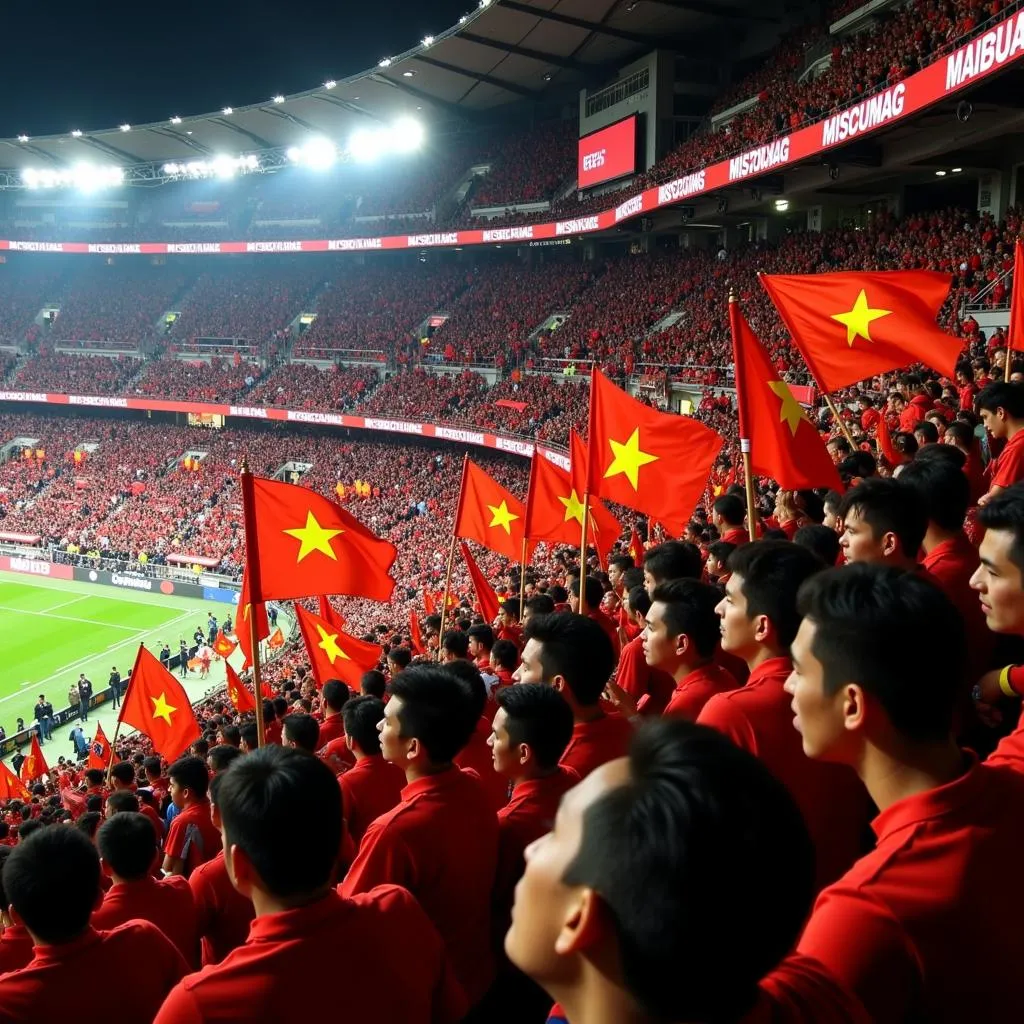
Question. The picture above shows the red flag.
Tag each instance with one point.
(651, 461)
(242, 627)
(489, 514)
(276, 639)
(34, 766)
(485, 595)
(853, 325)
(11, 787)
(416, 633)
(429, 602)
(309, 546)
(223, 646)
(1015, 337)
(784, 444)
(605, 529)
(885, 445)
(554, 513)
(636, 546)
(334, 654)
(330, 614)
(100, 754)
(238, 693)
(156, 705)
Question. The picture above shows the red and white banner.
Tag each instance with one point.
(992, 51)
(607, 154)
(36, 567)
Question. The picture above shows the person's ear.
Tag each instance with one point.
(584, 924)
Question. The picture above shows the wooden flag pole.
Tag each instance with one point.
(583, 553)
(451, 553)
(1007, 368)
(748, 480)
(522, 575)
(748, 476)
(839, 419)
(252, 565)
(113, 746)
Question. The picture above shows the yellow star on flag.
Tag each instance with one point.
(790, 411)
(573, 507)
(314, 538)
(329, 645)
(234, 695)
(29, 766)
(502, 517)
(161, 709)
(629, 459)
(858, 320)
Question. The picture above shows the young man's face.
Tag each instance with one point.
(614, 576)
(659, 648)
(503, 754)
(177, 793)
(539, 938)
(529, 670)
(994, 423)
(999, 584)
(817, 716)
(858, 541)
(650, 582)
(738, 631)
(475, 647)
(392, 745)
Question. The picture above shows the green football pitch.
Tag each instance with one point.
(55, 629)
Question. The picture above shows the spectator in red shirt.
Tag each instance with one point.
(300, 732)
(335, 694)
(573, 654)
(582, 925)
(192, 837)
(671, 560)
(883, 523)
(441, 840)
(481, 640)
(759, 620)
(281, 814)
(872, 690)
(641, 687)
(128, 852)
(1001, 407)
(372, 786)
(728, 514)
(593, 593)
(15, 941)
(70, 954)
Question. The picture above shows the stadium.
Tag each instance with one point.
(771, 247)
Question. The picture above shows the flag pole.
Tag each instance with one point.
(583, 553)
(748, 476)
(586, 487)
(113, 747)
(839, 419)
(252, 565)
(522, 578)
(451, 554)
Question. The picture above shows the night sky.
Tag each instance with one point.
(91, 66)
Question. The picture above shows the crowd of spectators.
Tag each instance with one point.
(70, 373)
(218, 379)
(529, 166)
(298, 385)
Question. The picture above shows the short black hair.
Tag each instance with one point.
(633, 578)
(730, 508)
(1002, 395)
(54, 861)
(928, 431)
(674, 560)
(127, 843)
(123, 771)
(5, 852)
(362, 715)
(832, 499)
(576, 648)
(303, 731)
(280, 707)
(690, 610)
(191, 773)
(622, 562)
(943, 489)
(722, 550)
(123, 801)
(373, 683)
(249, 735)
(512, 608)
(232, 735)
(455, 642)
(152, 765)
(401, 656)
(822, 540)
(221, 756)
(335, 693)
(771, 572)
(505, 654)
(1005, 512)
(640, 600)
(540, 717)
(436, 710)
(539, 604)
(283, 808)
(941, 453)
(483, 634)
(888, 507)
(711, 837)
(94, 802)
(876, 625)
(593, 592)
(94, 776)
(469, 675)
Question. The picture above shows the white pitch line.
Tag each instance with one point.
(63, 604)
(68, 618)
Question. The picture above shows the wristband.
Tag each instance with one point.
(1004, 682)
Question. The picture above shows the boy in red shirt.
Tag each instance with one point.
(373, 786)
(759, 621)
(281, 813)
(191, 838)
(53, 883)
(671, 560)
(883, 523)
(573, 654)
(15, 941)
(927, 925)
(1001, 407)
(647, 686)
(441, 841)
(128, 852)
(335, 693)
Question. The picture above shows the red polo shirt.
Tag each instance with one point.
(650, 687)
(801, 991)
(294, 968)
(223, 914)
(607, 625)
(596, 743)
(54, 984)
(273, 731)
(337, 756)
(1009, 467)
(927, 925)
(736, 535)
(15, 948)
(441, 843)
(332, 728)
(154, 819)
(192, 836)
(759, 718)
(695, 690)
(166, 903)
(368, 790)
(476, 756)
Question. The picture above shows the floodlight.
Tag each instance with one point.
(385, 63)
(366, 145)
(782, 205)
(428, 40)
(23, 138)
(318, 153)
(330, 83)
(957, 170)
(175, 119)
(76, 133)
(294, 154)
(407, 135)
(227, 110)
(940, 174)
(126, 127)
(223, 166)
(170, 168)
(279, 98)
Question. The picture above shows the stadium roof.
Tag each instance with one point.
(503, 52)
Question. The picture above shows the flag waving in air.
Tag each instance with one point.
(853, 325)
(485, 595)
(605, 529)
(34, 766)
(156, 705)
(635, 547)
(784, 444)
(650, 461)
(334, 654)
(11, 787)
(222, 645)
(309, 546)
(416, 634)
(100, 754)
(329, 613)
(489, 514)
(1015, 338)
(238, 693)
(554, 513)
(243, 630)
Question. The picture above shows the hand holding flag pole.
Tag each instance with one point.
(252, 562)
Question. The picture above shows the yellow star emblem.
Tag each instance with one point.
(573, 507)
(501, 516)
(629, 459)
(29, 767)
(790, 411)
(161, 709)
(314, 538)
(233, 693)
(329, 645)
(858, 320)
